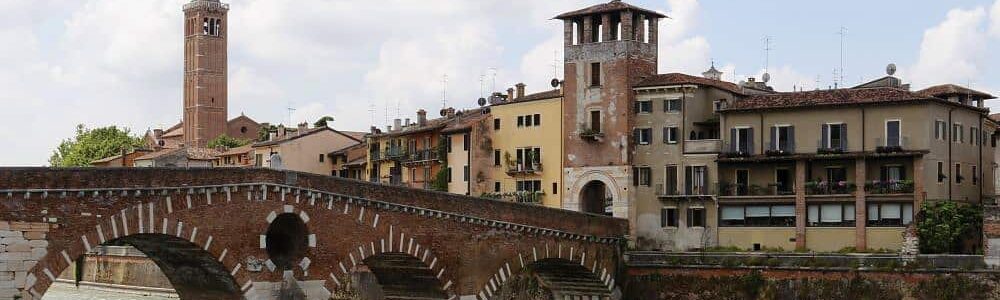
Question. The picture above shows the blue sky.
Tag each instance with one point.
(118, 62)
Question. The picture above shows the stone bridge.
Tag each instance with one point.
(266, 234)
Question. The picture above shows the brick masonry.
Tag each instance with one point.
(473, 244)
(22, 244)
(991, 230)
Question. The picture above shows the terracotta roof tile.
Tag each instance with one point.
(534, 97)
(828, 97)
(678, 78)
(951, 89)
(237, 151)
(614, 5)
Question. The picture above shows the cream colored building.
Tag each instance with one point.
(848, 168)
(304, 150)
(526, 159)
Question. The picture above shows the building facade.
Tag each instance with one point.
(677, 143)
(526, 159)
(304, 150)
(349, 162)
(408, 153)
(847, 168)
(601, 66)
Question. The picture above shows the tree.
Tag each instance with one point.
(227, 141)
(322, 122)
(944, 225)
(92, 144)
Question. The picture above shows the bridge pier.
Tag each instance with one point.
(22, 244)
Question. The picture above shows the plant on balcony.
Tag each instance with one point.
(591, 134)
(777, 153)
(829, 151)
(735, 154)
(888, 149)
(889, 187)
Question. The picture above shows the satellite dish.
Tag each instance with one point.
(766, 77)
(443, 112)
(555, 82)
(482, 101)
(890, 69)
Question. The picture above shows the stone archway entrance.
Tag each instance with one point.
(596, 198)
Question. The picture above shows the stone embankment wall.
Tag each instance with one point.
(22, 244)
(991, 231)
(119, 266)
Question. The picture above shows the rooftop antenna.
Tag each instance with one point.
(482, 82)
(555, 63)
(290, 111)
(494, 87)
(386, 105)
(817, 82)
(371, 112)
(767, 52)
(843, 53)
(444, 91)
(836, 78)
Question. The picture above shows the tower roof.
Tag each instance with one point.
(613, 6)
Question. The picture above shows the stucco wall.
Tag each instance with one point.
(510, 137)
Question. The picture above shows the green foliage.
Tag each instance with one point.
(265, 131)
(92, 144)
(322, 122)
(227, 141)
(949, 287)
(440, 182)
(944, 224)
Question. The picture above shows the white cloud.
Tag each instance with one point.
(995, 19)
(680, 50)
(952, 51)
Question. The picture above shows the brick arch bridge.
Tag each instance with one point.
(215, 233)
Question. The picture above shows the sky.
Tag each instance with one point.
(119, 62)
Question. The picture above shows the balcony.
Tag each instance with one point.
(393, 154)
(891, 147)
(523, 168)
(815, 188)
(592, 135)
(526, 197)
(703, 146)
(687, 192)
(422, 156)
(745, 190)
(891, 187)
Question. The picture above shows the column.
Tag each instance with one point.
(800, 204)
(568, 32)
(640, 28)
(654, 30)
(627, 33)
(606, 27)
(860, 205)
(588, 30)
(919, 191)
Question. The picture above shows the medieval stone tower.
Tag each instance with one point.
(205, 88)
(609, 47)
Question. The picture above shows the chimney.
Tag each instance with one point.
(303, 127)
(422, 117)
(520, 90)
(157, 133)
(281, 130)
(374, 130)
(449, 112)
(397, 124)
(510, 94)
(407, 122)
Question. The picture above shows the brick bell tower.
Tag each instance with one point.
(608, 48)
(205, 71)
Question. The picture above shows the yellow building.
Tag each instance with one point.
(303, 150)
(527, 150)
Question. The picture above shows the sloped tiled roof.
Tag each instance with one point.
(191, 152)
(550, 94)
(951, 89)
(833, 97)
(465, 121)
(307, 132)
(613, 6)
(237, 151)
(678, 78)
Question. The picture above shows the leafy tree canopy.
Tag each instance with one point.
(92, 144)
(322, 122)
(945, 224)
(227, 141)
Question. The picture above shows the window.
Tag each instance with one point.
(973, 133)
(447, 143)
(595, 74)
(890, 214)
(670, 180)
(520, 121)
(643, 135)
(538, 119)
(465, 142)
(258, 160)
(641, 176)
(757, 215)
(671, 105)
(830, 215)
(958, 173)
(940, 130)
(321, 157)
(696, 178)
(940, 172)
(465, 173)
(555, 188)
(957, 135)
(670, 135)
(835, 136)
(496, 186)
(892, 133)
(668, 217)
(528, 121)
(836, 174)
(975, 176)
(644, 106)
(718, 105)
(595, 120)
(696, 217)
(496, 157)
(529, 185)
(782, 137)
(448, 170)
(496, 124)
(742, 139)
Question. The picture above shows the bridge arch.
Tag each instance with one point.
(549, 268)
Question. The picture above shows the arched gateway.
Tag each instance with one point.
(256, 233)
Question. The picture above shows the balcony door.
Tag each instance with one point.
(783, 181)
(742, 182)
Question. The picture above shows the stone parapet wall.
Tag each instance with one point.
(991, 232)
(22, 244)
